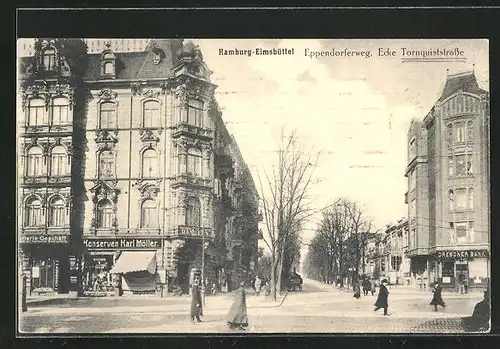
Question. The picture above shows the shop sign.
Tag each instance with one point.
(463, 254)
(122, 243)
(44, 239)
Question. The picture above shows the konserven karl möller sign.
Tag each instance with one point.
(122, 243)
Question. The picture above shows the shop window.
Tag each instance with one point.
(448, 269)
(107, 115)
(193, 212)
(106, 164)
(60, 111)
(151, 113)
(35, 161)
(36, 112)
(149, 163)
(149, 214)
(33, 217)
(49, 59)
(194, 161)
(105, 214)
(58, 161)
(195, 113)
(56, 215)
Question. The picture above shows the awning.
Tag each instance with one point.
(130, 261)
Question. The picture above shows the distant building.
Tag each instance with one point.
(448, 188)
(126, 166)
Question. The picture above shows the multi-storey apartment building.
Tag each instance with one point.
(146, 142)
(448, 187)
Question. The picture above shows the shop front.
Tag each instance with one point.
(128, 265)
(462, 270)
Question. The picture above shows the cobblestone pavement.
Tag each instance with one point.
(319, 309)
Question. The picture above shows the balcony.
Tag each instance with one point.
(185, 231)
(47, 180)
(47, 129)
(185, 129)
(193, 181)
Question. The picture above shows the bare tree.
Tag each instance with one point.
(285, 201)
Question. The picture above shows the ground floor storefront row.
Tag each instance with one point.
(459, 270)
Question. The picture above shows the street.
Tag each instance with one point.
(318, 308)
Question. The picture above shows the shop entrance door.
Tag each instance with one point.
(183, 276)
(462, 275)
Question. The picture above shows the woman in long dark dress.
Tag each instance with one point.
(357, 290)
(196, 302)
(237, 316)
(437, 298)
(383, 296)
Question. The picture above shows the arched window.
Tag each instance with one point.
(195, 112)
(56, 212)
(105, 214)
(449, 134)
(107, 115)
(459, 132)
(58, 161)
(49, 59)
(60, 110)
(33, 215)
(471, 198)
(470, 132)
(148, 214)
(194, 162)
(36, 112)
(151, 112)
(109, 68)
(106, 164)
(150, 163)
(193, 212)
(35, 161)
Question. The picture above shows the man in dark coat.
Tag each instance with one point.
(482, 313)
(437, 299)
(382, 299)
(237, 316)
(366, 286)
(196, 302)
(357, 289)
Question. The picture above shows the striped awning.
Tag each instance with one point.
(131, 261)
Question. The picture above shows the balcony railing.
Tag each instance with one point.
(47, 179)
(193, 232)
(41, 129)
(192, 130)
(188, 179)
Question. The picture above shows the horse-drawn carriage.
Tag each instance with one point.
(295, 283)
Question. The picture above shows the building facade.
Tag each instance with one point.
(145, 142)
(448, 188)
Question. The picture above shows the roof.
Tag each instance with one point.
(463, 81)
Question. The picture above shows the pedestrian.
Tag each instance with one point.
(196, 302)
(437, 299)
(237, 316)
(461, 279)
(257, 285)
(382, 299)
(357, 289)
(482, 313)
(366, 286)
(372, 287)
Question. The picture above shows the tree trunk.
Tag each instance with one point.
(273, 277)
(280, 268)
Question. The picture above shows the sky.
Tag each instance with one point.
(354, 110)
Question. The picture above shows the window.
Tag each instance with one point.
(33, 216)
(195, 112)
(470, 132)
(56, 213)
(451, 200)
(471, 232)
(107, 115)
(35, 161)
(471, 198)
(60, 109)
(413, 208)
(151, 113)
(460, 199)
(148, 214)
(451, 166)
(193, 212)
(149, 163)
(49, 59)
(36, 112)
(58, 161)
(449, 134)
(156, 58)
(470, 170)
(109, 68)
(106, 164)
(412, 150)
(460, 165)
(459, 132)
(413, 180)
(105, 214)
(461, 231)
(194, 162)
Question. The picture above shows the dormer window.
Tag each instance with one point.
(49, 59)
(156, 58)
(108, 64)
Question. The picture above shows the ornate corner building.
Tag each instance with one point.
(126, 163)
(448, 188)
